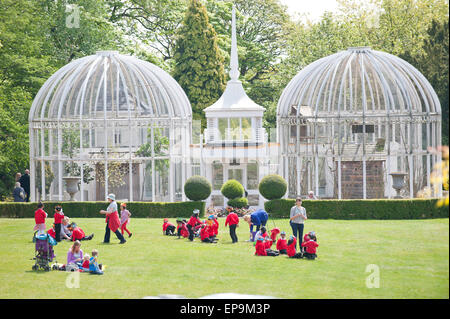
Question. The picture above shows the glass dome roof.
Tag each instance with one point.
(358, 81)
(134, 88)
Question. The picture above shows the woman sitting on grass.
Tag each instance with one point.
(75, 256)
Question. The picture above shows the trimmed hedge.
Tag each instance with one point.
(91, 209)
(238, 202)
(360, 209)
(272, 187)
(197, 188)
(232, 189)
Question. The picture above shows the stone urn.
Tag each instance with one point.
(398, 182)
(72, 185)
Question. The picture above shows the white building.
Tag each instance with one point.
(344, 124)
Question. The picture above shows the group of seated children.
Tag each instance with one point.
(206, 230)
(308, 249)
(264, 243)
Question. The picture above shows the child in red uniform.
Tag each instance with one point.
(282, 244)
(51, 232)
(78, 233)
(85, 265)
(233, 221)
(206, 235)
(262, 250)
(168, 228)
(310, 246)
(193, 221)
(182, 229)
(39, 218)
(215, 226)
(291, 248)
(59, 216)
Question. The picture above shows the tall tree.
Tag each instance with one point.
(198, 61)
(434, 64)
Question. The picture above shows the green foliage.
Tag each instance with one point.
(433, 63)
(232, 189)
(272, 187)
(238, 202)
(360, 209)
(91, 209)
(198, 61)
(197, 188)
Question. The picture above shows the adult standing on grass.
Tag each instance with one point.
(297, 219)
(112, 220)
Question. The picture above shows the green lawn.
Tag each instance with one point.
(412, 256)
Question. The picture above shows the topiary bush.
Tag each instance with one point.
(238, 202)
(232, 189)
(197, 188)
(272, 187)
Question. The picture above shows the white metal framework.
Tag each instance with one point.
(122, 123)
(348, 120)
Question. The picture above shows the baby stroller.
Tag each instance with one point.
(44, 252)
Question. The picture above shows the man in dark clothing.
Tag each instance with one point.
(25, 183)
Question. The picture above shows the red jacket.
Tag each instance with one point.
(260, 248)
(85, 264)
(58, 217)
(166, 224)
(274, 233)
(232, 219)
(51, 232)
(114, 221)
(194, 221)
(268, 243)
(311, 246)
(39, 216)
(281, 244)
(291, 248)
(204, 233)
(77, 234)
(215, 228)
(184, 231)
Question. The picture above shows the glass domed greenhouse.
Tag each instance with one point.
(348, 121)
(346, 125)
(122, 123)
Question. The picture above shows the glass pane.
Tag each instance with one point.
(162, 180)
(223, 125)
(147, 184)
(252, 176)
(217, 176)
(234, 129)
(235, 174)
(246, 128)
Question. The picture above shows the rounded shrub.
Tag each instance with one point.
(232, 189)
(197, 188)
(238, 202)
(272, 187)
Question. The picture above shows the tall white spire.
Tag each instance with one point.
(234, 64)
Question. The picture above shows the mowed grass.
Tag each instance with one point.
(412, 256)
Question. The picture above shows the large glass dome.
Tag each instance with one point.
(122, 123)
(349, 120)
